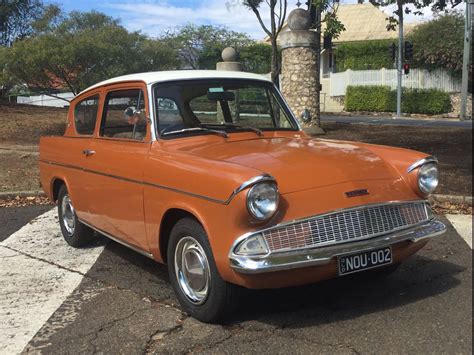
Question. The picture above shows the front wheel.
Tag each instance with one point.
(74, 232)
(201, 291)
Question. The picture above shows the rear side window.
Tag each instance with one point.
(124, 115)
(85, 115)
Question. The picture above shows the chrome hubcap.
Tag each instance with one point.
(192, 270)
(68, 214)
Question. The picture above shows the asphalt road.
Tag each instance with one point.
(124, 304)
(375, 120)
(12, 219)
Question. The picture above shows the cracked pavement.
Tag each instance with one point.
(123, 303)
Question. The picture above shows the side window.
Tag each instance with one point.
(85, 115)
(124, 115)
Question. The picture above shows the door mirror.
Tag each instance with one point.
(132, 116)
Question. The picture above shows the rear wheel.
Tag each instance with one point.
(201, 291)
(74, 232)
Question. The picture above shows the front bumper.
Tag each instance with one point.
(324, 255)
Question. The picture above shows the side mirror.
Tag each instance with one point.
(306, 116)
(131, 112)
(132, 116)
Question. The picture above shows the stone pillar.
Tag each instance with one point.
(299, 70)
(230, 63)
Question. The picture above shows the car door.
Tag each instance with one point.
(85, 111)
(115, 164)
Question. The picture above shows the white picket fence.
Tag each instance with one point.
(45, 100)
(416, 79)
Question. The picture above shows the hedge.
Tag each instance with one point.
(383, 99)
(363, 55)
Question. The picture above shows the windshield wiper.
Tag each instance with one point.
(197, 129)
(231, 125)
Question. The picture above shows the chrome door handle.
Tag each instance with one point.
(88, 152)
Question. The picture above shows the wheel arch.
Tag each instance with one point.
(56, 184)
(168, 221)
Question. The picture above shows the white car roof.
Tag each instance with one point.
(160, 76)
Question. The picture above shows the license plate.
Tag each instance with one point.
(349, 264)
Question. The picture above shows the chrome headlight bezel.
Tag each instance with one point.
(256, 196)
(428, 178)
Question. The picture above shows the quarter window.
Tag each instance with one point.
(85, 115)
(124, 115)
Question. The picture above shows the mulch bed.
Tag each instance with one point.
(25, 201)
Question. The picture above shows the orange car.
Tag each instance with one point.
(210, 172)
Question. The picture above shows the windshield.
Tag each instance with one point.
(219, 107)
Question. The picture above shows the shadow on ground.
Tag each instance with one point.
(344, 298)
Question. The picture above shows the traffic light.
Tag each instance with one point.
(392, 50)
(408, 50)
(327, 43)
(406, 68)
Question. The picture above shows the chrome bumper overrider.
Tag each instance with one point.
(323, 255)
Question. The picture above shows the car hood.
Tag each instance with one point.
(300, 163)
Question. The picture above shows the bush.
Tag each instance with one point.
(366, 55)
(383, 99)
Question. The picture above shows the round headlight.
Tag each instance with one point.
(262, 200)
(428, 178)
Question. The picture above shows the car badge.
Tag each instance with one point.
(355, 193)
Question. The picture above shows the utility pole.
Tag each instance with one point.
(465, 61)
(400, 58)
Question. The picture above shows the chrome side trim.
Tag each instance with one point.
(120, 241)
(417, 164)
(324, 255)
(245, 185)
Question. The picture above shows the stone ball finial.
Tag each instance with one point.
(299, 20)
(229, 54)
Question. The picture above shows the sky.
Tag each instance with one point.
(153, 17)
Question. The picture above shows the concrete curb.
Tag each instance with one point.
(13, 194)
(462, 200)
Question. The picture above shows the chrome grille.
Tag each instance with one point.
(345, 226)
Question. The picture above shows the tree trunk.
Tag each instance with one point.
(275, 62)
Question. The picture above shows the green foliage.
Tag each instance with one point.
(256, 58)
(83, 49)
(328, 10)
(383, 99)
(368, 98)
(200, 47)
(415, 7)
(16, 18)
(363, 55)
(439, 43)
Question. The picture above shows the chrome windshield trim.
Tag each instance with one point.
(417, 164)
(324, 255)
